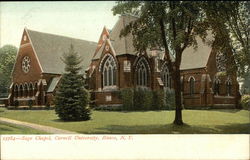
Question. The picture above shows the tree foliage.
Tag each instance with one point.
(171, 26)
(72, 99)
(230, 23)
(7, 60)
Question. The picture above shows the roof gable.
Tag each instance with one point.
(104, 35)
(196, 58)
(50, 48)
(123, 45)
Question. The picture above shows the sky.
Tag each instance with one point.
(83, 20)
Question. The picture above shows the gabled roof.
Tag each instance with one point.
(196, 58)
(50, 48)
(53, 84)
(122, 45)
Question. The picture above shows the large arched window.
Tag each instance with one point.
(229, 86)
(109, 72)
(191, 85)
(216, 86)
(165, 76)
(142, 70)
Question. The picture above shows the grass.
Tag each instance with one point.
(149, 122)
(6, 128)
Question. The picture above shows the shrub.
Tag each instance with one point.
(30, 103)
(127, 97)
(47, 106)
(16, 104)
(169, 98)
(245, 102)
(143, 98)
(158, 100)
(109, 108)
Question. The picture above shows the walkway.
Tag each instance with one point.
(37, 126)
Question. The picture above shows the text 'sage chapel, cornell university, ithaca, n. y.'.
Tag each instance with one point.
(113, 64)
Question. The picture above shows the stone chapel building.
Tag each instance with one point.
(113, 64)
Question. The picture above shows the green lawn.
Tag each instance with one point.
(6, 128)
(196, 121)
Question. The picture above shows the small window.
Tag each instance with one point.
(108, 98)
(24, 38)
(192, 86)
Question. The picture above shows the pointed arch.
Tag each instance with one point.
(191, 81)
(21, 90)
(31, 89)
(216, 85)
(165, 76)
(142, 72)
(16, 89)
(229, 86)
(35, 88)
(25, 89)
(108, 68)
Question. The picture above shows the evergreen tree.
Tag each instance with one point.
(72, 99)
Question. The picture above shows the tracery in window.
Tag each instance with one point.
(165, 76)
(142, 72)
(109, 72)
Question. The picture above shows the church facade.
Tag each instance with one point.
(113, 64)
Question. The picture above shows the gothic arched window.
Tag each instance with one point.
(142, 72)
(165, 76)
(216, 86)
(191, 85)
(109, 72)
(229, 87)
(31, 89)
(21, 90)
(25, 90)
(16, 90)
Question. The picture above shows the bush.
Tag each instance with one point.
(47, 106)
(127, 97)
(158, 100)
(143, 98)
(16, 104)
(30, 103)
(169, 99)
(109, 108)
(245, 102)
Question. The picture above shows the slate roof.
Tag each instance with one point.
(50, 48)
(191, 58)
(198, 58)
(122, 45)
(53, 84)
